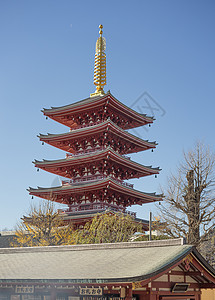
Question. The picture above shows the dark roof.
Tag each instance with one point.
(99, 262)
(6, 239)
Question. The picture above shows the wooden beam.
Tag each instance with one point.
(161, 284)
(186, 273)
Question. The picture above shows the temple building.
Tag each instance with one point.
(97, 166)
(153, 270)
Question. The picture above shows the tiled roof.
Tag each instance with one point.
(92, 156)
(91, 100)
(101, 262)
(91, 129)
(5, 240)
(107, 182)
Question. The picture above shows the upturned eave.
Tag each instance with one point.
(107, 183)
(55, 166)
(86, 132)
(56, 113)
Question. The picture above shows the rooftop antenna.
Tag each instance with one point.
(100, 65)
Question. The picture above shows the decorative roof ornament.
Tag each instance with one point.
(100, 65)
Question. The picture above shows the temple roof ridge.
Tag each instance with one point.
(75, 103)
(102, 246)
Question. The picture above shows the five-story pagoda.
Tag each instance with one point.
(96, 164)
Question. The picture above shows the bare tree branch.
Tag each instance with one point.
(188, 209)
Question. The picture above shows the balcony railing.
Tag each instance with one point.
(89, 151)
(86, 125)
(91, 178)
(95, 208)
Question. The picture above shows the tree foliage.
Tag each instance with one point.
(107, 228)
(42, 227)
(188, 209)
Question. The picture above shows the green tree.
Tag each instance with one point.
(107, 228)
(43, 226)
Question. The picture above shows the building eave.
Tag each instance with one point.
(107, 153)
(92, 102)
(108, 183)
(101, 127)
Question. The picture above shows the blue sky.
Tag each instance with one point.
(165, 48)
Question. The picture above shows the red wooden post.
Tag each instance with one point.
(128, 293)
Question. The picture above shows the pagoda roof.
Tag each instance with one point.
(64, 140)
(60, 166)
(63, 114)
(64, 193)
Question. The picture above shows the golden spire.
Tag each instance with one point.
(100, 65)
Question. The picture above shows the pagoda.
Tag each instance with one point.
(96, 165)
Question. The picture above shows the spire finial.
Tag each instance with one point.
(100, 31)
(100, 65)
